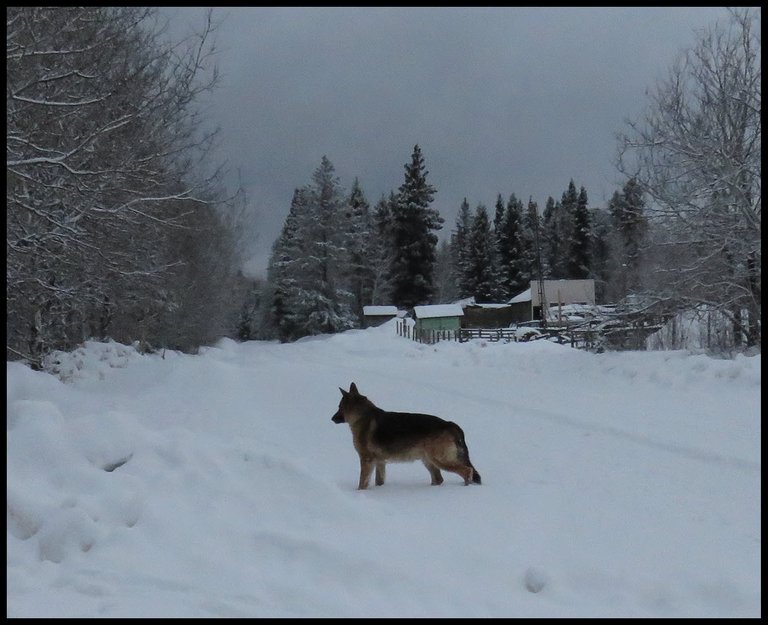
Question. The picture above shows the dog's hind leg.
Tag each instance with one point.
(434, 473)
(381, 473)
(465, 471)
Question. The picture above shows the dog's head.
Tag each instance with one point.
(349, 399)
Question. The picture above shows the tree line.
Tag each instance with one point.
(114, 228)
(336, 253)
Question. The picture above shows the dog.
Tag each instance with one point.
(380, 436)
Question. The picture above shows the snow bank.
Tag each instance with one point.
(614, 485)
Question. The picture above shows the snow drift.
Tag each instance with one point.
(616, 484)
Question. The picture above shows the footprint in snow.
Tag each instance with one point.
(535, 579)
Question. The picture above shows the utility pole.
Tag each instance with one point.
(542, 299)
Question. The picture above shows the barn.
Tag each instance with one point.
(556, 293)
(492, 315)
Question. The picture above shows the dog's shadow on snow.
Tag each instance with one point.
(400, 487)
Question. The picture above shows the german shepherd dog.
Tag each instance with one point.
(380, 436)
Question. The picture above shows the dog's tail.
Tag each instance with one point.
(464, 452)
(475, 476)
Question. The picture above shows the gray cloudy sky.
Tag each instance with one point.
(500, 100)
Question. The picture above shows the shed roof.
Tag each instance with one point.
(438, 310)
(376, 311)
(525, 296)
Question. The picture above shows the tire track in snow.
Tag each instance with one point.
(692, 453)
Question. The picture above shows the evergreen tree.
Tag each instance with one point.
(633, 226)
(498, 218)
(552, 242)
(510, 250)
(601, 265)
(415, 243)
(281, 271)
(381, 250)
(529, 239)
(307, 271)
(580, 239)
(480, 273)
(445, 283)
(323, 304)
(498, 221)
(460, 250)
(360, 240)
(626, 210)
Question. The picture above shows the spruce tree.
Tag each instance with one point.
(282, 271)
(381, 251)
(480, 273)
(498, 221)
(529, 239)
(579, 245)
(460, 250)
(307, 269)
(510, 248)
(413, 225)
(634, 228)
(626, 209)
(324, 303)
(552, 241)
(360, 238)
(602, 269)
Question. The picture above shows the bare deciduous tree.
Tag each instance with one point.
(104, 145)
(696, 152)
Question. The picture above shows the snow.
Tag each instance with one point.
(525, 296)
(216, 485)
(438, 310)
(373, 311)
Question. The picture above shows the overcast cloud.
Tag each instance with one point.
(500, 100)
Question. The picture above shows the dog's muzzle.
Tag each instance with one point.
(338, 417)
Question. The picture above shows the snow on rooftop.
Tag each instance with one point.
(438, 310)
(374, 311)
(525, 296)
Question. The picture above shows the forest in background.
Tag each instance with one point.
(117, 228)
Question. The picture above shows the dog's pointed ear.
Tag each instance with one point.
(353, 389)
(343, 392)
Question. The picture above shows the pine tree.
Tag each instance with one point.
(445, 283)
(626, 210)
(529, 240)
(634, 227)
(510, 250)
(281, 271)
(382, 250)
(323, 303)
(601, 265)
(309, 260)
(460, 250)
(415, 243)
(360, 240)
(500, 292)
(579, 244)
(480, 272)
(552, 242)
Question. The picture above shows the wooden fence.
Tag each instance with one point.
(461, 335)
(584, 336)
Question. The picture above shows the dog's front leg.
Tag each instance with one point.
(381, 473)
(366, 468)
